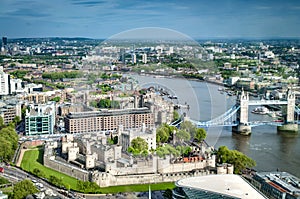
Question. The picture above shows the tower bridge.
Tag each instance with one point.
(238, 115)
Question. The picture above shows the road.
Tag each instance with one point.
(15, 174)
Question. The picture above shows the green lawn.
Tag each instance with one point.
(34, 158)
(138, 187)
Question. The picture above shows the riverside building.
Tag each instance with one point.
(108, 120)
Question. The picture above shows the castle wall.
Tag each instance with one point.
(107, 179)
(164, 165)
(66, 169)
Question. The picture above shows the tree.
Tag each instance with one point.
(8, 143)
(164, 132)
(1, 122)
(55, 99)
(38, 173)
(17, 119)
(168, 149)
(3, 181)
(200, 135)
(184, 150)
(189, 127)
(106, 103)
(80, 185)
(86, 186)
(94, 104)
(238, 159)
(23, 189)
(175, 116)
(56, 181)
(183, 135)
(6, 151)
(138, 146)
(162, 135)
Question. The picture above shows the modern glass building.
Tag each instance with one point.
(225, 186)
(40, 119)
(36, 125)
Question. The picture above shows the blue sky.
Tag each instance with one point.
(195, 18)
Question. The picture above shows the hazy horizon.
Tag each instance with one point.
(199, 19)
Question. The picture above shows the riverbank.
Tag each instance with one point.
(179, 76)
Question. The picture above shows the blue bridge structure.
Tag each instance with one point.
(237, 116)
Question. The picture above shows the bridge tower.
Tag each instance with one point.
(243, 126)
(288, 112)
(290, 109)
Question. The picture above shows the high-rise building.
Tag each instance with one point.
(122, 55)
(4, 82)
(144, 58)
(133, 56)
(4, 41)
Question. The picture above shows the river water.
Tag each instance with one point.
(271, 150)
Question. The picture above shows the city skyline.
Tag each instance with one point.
(197, 19)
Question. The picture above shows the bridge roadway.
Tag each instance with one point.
(252, 124)
(266, 102)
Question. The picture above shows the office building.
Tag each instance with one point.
(40, 119)
(9, 110)
(4, 41)
(108, 120)
(122, 55)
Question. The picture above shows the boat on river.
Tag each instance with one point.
(261, 110)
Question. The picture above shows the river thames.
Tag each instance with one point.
(271, 150)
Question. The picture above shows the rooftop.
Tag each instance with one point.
(106, 112)
(282, 181)
(228, 185)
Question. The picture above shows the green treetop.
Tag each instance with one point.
(138, 146)
(238, 159)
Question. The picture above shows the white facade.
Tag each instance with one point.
(144, 58)
(133, 56)
(15, 85)
(4, 82)
(149, 135)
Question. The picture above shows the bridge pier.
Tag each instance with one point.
(242, 129)
(288, 128)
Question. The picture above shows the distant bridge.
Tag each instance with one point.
(237, 115)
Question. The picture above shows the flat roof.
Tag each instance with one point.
(283, 181)
(107, 112)
(226, 184)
